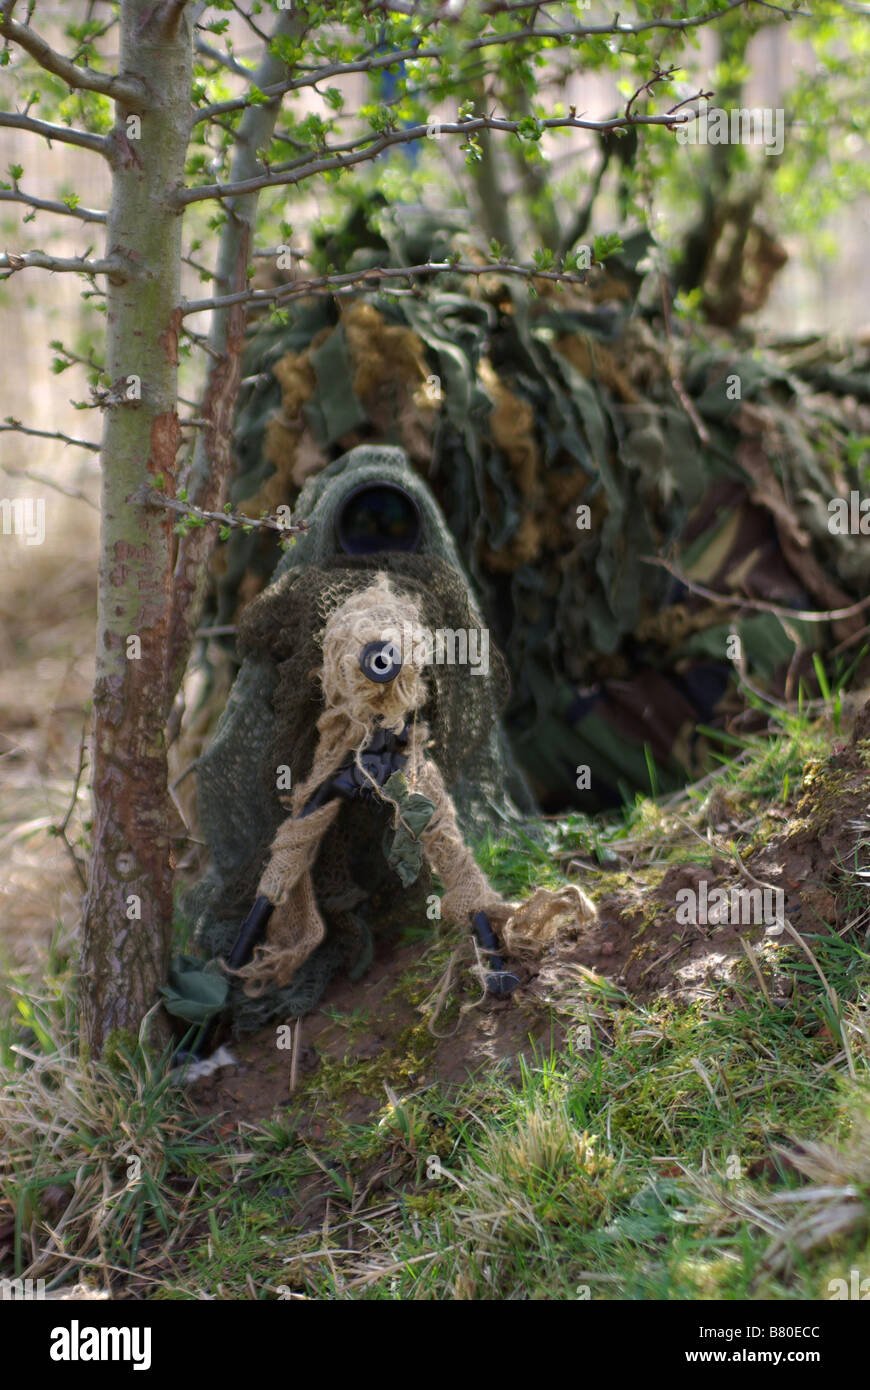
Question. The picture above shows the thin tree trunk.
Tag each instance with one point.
(212, 458)
(535, 180)
(128, 906)
(493, 205)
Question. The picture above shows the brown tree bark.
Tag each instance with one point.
(128, 906)
(151, 586)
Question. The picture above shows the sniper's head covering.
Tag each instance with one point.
(368, 513)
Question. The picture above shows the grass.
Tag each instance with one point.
(660, 1150)
(652, 1164)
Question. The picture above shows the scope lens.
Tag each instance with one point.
(378, 516)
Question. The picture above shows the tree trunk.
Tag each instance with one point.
(128, 907)
(212, 458)
(493, 205)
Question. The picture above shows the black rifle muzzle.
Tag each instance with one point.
(380, 662)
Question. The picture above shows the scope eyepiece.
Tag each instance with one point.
(380, 662)
(376, 517)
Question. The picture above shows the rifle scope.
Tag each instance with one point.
(378, 516)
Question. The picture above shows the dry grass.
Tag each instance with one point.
(89, 1152)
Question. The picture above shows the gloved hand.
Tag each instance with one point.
(381, 759)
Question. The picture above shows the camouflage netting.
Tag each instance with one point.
(270, 723)
(519, 410)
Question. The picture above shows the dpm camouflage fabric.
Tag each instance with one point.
(573, 447)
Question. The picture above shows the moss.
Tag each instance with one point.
(823, 789)
(120, 1044)
(598, 883)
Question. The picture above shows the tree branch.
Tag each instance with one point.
(374, 274)
(798, 615)
(10, 423)
(226, 60)
(261, 35)
(212, 456)
(60, 830)
(374, 62)
(64, 134)
(15, 195)
(154, 498)
(344, 157)
(83, 79)
(49, 482)
(38, 260)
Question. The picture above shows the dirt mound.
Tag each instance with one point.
(801, 873)
(373, 1031)
(379, 1033)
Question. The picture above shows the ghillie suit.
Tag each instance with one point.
(520, 412)
(373, 748)
(301, 705)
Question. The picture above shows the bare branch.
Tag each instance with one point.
(327, 162)
(674, 372)
(799, 615)
(64, 134)
(15, 425)
(60, 830)
(38, 260)
(659, 75)
(199, 341)
(263, 37)
(83, 79)
(49, 482)
(15, 195)
(226, 60)
(328, 284)
(376, 61)
(203, 270)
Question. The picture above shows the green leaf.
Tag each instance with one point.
(608, 245)
(530, 128)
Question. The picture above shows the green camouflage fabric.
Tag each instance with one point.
(520, 410)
